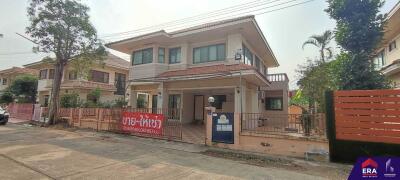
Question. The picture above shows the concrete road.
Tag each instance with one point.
(44, 153)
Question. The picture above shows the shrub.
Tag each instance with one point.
(120, 102)
(7, 97)
(70, 100)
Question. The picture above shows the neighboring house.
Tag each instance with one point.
(7, 76)
(180, 70)
(388, 54)
(109, 77)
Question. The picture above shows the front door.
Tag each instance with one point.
(199, 108)
(154, 104)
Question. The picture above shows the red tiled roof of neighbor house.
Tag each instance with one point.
(221, 68)
(115, 61)
(18, 70)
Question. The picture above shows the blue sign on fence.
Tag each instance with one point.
(222, 128)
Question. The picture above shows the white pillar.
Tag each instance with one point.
(162, 95)
(240, 98)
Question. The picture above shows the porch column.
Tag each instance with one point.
(162, 95)
(254, 101)
(240, 99)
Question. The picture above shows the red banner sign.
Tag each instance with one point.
(138, 122)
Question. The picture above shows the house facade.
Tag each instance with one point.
(388, 54)
(108, 76)
(7, 76)
(227, 60)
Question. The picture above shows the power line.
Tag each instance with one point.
(207, 18)
(17, 53)
(263, 12)
(221, 18)
(204, 18)
(189, 18)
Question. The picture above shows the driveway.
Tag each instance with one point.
(30, 152)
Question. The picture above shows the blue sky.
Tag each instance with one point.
(285, 30)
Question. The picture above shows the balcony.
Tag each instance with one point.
(144, 71)
(281, 77)
(82, 84)
(45, 84)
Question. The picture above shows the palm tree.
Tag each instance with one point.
(321, 42)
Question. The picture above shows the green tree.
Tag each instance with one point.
(63, 28)
(25, 87)
(94, 95)
(321, 42)
(6, 98)
(315, 78)
(358, 31)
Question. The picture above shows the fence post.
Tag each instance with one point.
(97, 118)
(70, 116)
(330, 121)
(79, 116)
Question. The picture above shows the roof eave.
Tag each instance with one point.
(275, 63)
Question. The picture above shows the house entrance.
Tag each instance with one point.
(199, 109)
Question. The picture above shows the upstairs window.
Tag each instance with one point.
(209, 53)
(4, 81)
(144, 56)
(161, 55)
(43, 74)
(392, 46)
(175, 55)
(379, 60)
(51, 73)
(265, 70)
(257, 62)
(98, 76)
(248, 56)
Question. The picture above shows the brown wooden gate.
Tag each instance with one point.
(363, 123)
(368, 115)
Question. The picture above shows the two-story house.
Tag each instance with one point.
(388, 54)
(180, 70)
(7, 76)
(109, 76)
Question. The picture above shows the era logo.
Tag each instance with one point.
(369, 168)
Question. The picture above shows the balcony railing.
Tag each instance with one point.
(282, 77)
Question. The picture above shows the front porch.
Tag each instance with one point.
(185, 101)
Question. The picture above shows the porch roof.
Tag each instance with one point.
(207, 72)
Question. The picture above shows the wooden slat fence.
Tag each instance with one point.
(368, 115)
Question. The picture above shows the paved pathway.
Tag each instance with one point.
(43, 153)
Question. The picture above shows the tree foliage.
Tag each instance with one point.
(63, 28)
(70, 100)
(6, 98)
(359, 29)
(322, 42)
(25, 87)
(315, 78)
